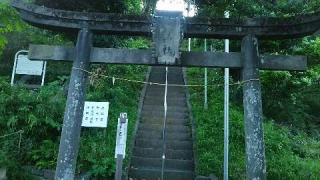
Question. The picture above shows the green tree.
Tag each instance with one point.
(110, 6)
(9, 22)
(252, 8)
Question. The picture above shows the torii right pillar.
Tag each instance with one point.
(253, 118)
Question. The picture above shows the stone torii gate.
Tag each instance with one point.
(165, 52)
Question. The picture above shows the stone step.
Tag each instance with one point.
(162, 87)
(171, 73)
(161, 108)
(169, 128)
(175, 82)
(170, 121)
(161, 75)
(181, 98)
(151, 101)
(169, 94)
(155, 174)
(175, 69)
(162, 80)
(162, 70)
(158, 143)
(160, 97)
(146, 159)
(157, 70)
(151, 114)
(157, 135)
(173, 164)
(157, 153)
(172, 83)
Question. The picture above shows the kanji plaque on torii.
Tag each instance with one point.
(166, 52)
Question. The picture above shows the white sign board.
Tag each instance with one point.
(27, 67)
(121, 135)
(95, 114)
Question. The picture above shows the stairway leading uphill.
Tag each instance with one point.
(146, 160)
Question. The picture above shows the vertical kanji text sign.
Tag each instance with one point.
(95, 114)
(121, 135)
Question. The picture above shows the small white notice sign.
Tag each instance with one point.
(95, 114)
(121, 135)
(25, 66)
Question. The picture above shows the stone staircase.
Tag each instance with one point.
(146, 160)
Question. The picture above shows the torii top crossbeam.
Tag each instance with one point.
(116, 24)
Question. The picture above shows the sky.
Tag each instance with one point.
(175, 5)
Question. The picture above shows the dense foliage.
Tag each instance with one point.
(9, 22)
(254, 8)
(290, 154)
(291, 101)
(111, 6)
(294, 95)
(40, 113)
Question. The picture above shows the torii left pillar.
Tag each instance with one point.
(252, 104)
(70, 136)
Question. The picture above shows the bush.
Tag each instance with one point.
(37, 113)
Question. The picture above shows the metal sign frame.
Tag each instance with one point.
(16, 66)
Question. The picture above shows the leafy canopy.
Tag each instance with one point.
(9, 22)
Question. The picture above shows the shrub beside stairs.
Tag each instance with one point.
(146, 160)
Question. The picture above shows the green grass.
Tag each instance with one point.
(98, 146)
(289, 155)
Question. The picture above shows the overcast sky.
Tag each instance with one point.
(175, 5)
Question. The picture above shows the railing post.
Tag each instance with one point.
(119, 162)
(205, 80)
(226, 111)
(255, 151)
(70, 136)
